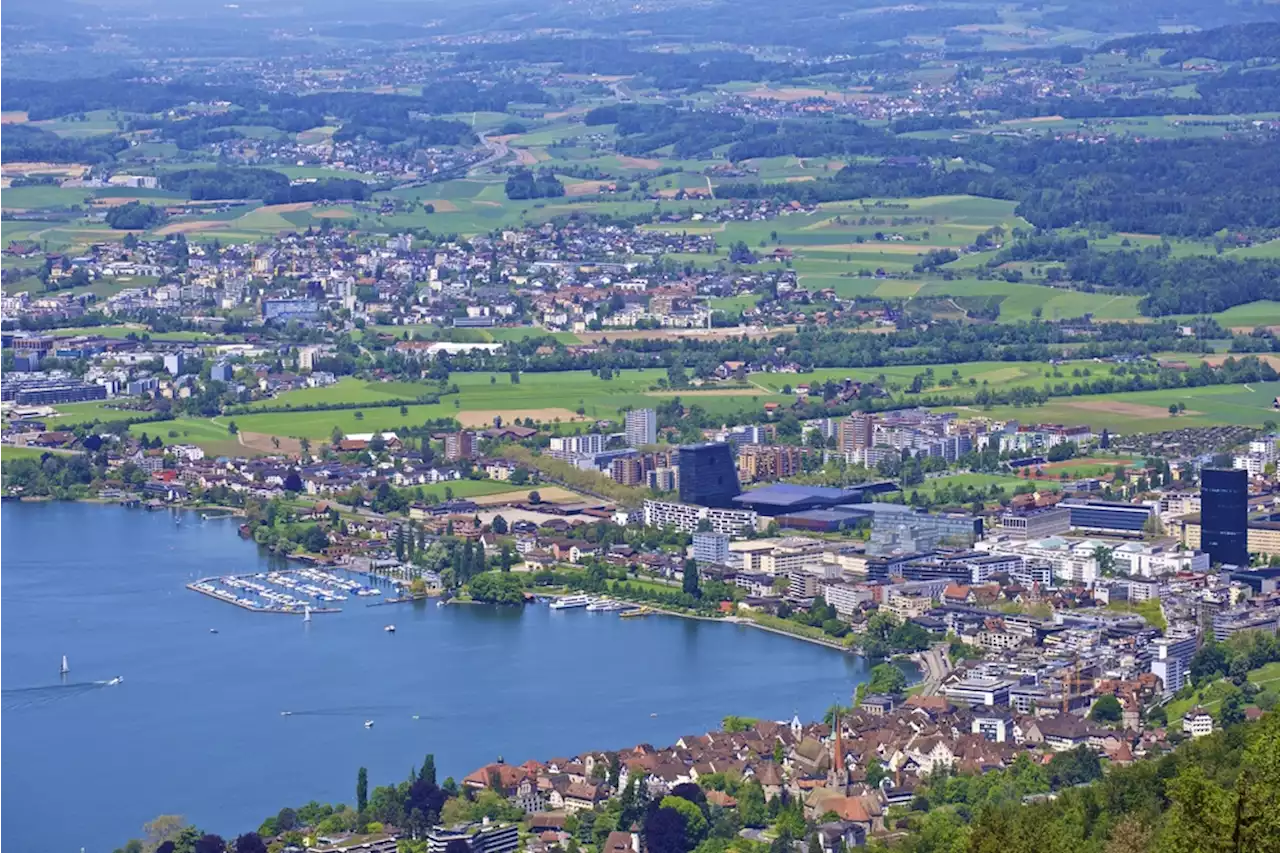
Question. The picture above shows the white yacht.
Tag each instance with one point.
(567, 602)
(368, 724)
(390, 629)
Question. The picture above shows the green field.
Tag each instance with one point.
(543, 396)
(1211, 695)
(993, 375)
(11, 453)
(1147, 411)
(493, 335)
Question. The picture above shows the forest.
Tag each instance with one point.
(22, 142)
(270, 186)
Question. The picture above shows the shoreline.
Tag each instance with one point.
(746, 621)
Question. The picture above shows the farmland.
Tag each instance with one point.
(1147, 411)
(545, 397)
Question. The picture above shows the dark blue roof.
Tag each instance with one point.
(787, 494)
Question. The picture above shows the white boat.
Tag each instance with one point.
(117, 680)
(306, 613)
(213, 630)
(390, 629)
(286, 713)
(603, 605)
(64, 669)
(567, 602)
(368, 724)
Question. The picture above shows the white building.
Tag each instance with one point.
(641, 427)
(1197, 722)
(686, 517)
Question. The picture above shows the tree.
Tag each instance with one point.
(427, 774)
(534, 497)
(695, 822)
(293, 482)
(499, 525)
(886, 678)
(250, 842)
(1107, 710)
(1106, 560)
(751, 804)
(232, 428)
(690, 583)
(664, 831)
(362, 790)
(210, 843)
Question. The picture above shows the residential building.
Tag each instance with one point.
(569, 447)
(1197, 722)
(686, 517)
(483, 837)
(710, 547)
(1171, 661)
(641, 427)
(459, 445)
(175, 362)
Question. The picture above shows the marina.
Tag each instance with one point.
(73, 742)
(285, 591)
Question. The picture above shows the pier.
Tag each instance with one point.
(293, 591)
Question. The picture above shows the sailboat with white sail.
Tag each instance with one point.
(306, 613)
(64, 669)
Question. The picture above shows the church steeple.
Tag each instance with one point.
(837, 776)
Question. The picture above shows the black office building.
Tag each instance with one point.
(708, 475)
(1224, 515)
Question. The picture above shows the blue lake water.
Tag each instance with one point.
(195, 727)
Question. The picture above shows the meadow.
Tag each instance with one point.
(993, 375)
(1148, 411)
(547, 397)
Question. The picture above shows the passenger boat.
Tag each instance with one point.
(639, 611)
(567, 602)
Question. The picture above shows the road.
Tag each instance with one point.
(497, 151)
(936, 665)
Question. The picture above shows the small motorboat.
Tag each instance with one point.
(653, 715)
(368, 724)
(286, 713)
(390, 629)
(213, 630)
(119, 679)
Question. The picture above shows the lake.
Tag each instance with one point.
(195, 726)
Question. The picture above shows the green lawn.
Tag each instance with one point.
(10, 453)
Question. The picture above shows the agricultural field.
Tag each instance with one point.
(1021, 301)
(993, 375)
(496, 334)
(1148, 411)
(546, 397)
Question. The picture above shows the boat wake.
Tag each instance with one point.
(20, 698)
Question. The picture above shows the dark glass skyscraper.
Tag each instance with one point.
(708, 475)
(1224, 515)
